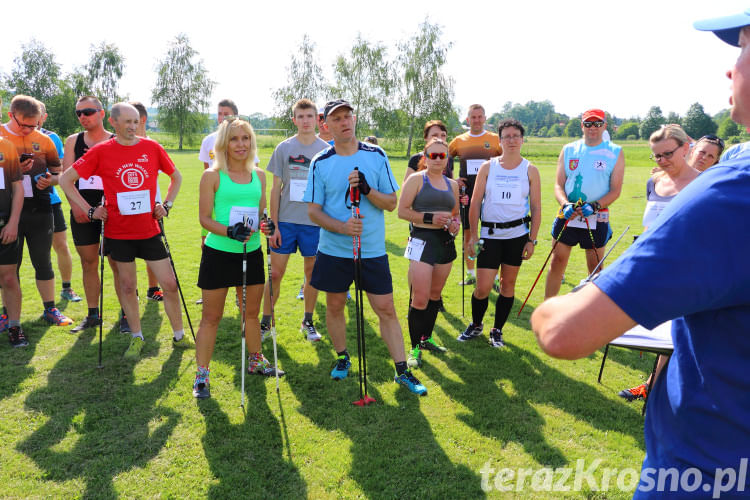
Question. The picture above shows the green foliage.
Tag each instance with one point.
(697, 123)
(541, 132)
(673, 117)
(426, 92)
(632, 137)
(35, 72)
(61, 116)
(536, 116)
(654, 119)
(728, 128)
(261, 121)
(627, 129)
(573, 127)
(555, 130)
(182, 90)
(305, 79)
(104, 71)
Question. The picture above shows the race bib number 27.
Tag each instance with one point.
(134, 202)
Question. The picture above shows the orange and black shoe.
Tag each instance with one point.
(639, 392)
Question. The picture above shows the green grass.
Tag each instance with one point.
(133, 429)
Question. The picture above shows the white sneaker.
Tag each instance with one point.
(309, 329)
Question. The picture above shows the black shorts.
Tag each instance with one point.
(336, 274)
(439, 248)
(496, 252)
(35, 229)
(127, 250)
(573, 236)
(86, 233)
(59, 218)
(221, 269)
(9, 254)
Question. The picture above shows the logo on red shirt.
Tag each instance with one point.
(132, 177)
(573, 164)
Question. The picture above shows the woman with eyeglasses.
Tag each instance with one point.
(706, 152)
(669, 146)
(508, 193)
(429, 201)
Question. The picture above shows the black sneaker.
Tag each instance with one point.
(496, 338)
(155, 294)
(88, 322)
(472, 331)
(202, 390)
(429, 344)
(124, 325)
(16, 337)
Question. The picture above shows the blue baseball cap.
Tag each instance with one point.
(727, 28)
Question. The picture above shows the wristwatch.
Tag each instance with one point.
(532, 241)
(167, 206)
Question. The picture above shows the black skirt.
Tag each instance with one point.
(221, 269)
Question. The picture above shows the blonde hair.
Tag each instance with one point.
(222, 143)
(671, 131)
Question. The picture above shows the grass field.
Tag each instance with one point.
(133, 430)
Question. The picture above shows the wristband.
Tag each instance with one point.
(427, 217)
(91, 214)
(596, 205)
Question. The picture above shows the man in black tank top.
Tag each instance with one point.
(86, 234)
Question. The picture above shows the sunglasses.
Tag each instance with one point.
(714, 139)
(435, 156)
(86, 111)
(593, 124)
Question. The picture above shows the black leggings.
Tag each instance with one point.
(36, 228)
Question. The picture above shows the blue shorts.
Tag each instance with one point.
(302, 236)
(336, 274)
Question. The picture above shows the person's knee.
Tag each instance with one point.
(127, 285)
(169, 285)
(8, 280)
(335, 304)
(385, 310)
(507, 287)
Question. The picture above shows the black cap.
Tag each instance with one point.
(332, 106)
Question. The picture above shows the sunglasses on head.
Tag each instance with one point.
(435, 156)
(714, 139)
(86, 111)
(593, 124)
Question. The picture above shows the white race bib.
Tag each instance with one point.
(237, 214)
(472, 166)
(414, 249)
(506, 190)
(581, 222)
(27, 191)
(134, 202)
(653, 210)
(297, 189)
(2, 178)
(93, 182)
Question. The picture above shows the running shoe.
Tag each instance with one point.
(201, 390)
(469, 280)
(341, 368)
(16, 337)
(639, 392)
(124, 325)
(265, 331)
(309, 329)
(415, 358)
(411, 382)
(135, 347)
(88, 322)
(472, 331)
(179, 343)
(54, 316)
(3, 322)
(301, 294)
(429, 344)
(70, 295)
(496, 285)
(261, 366)
(496, 338)
(155, 294)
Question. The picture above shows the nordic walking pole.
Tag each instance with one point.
(270, 297)
(177, 280)
(244, 306)
(462, 208)
(590, 277)
(591, 235)
(101, 292)
(543, 266)
(364, 398)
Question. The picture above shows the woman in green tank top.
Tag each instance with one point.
(232, 198)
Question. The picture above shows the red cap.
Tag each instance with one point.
(593, 115)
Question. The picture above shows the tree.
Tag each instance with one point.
(728, 128)
(61, 109)
(425, 91)
(104, 71)
(697, 123)
(654, 119)
(626, 130)
(35, 72)
(673, 117)
(182, 90)
(555, 130)
(364, 78)
(573, 128)
(305, 80)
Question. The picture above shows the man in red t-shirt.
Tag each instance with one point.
(128, 166)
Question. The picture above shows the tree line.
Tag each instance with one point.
(393, 95)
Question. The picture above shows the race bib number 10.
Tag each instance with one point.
(134, 202)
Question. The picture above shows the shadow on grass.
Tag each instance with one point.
(100, 422)
(15, 361)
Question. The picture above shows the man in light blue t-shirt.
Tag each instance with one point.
(350, 164)
(697, 426)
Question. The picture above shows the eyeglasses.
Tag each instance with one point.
(666, 156)
(23, 125)
(511, 137)
(86, 111)
(435, 156)
(593, 124)
(714, 139)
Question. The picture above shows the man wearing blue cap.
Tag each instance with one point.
(697, 428)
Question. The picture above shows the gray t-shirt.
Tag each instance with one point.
(291, 162)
